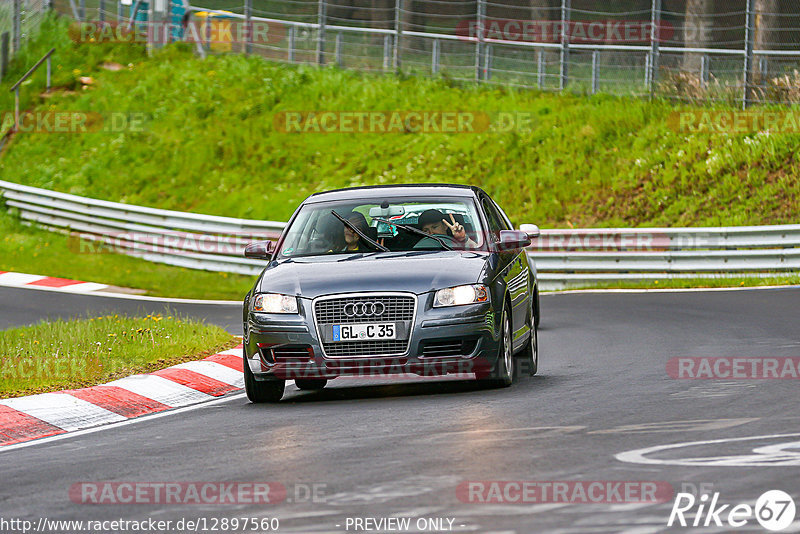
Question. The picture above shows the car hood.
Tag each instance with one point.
(417, 272)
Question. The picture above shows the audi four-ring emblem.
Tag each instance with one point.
(364, 309)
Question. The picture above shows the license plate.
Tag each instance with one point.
(363, 332)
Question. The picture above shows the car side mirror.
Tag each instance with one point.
(531, 229)
(260, 250)
(513, 240)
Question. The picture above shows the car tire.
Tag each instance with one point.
(530, 354)
(310, 384)
(536, 314)
(261, 391)
(502, 374)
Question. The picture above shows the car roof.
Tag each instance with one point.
(383, 191)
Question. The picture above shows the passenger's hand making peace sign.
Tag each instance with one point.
(459, 233)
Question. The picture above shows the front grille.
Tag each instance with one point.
(397, 308)
(366, 348)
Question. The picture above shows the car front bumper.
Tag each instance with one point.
(458, 339)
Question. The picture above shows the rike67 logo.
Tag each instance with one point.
(774, 510)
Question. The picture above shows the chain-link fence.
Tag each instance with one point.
(740, 51)
(19, 20)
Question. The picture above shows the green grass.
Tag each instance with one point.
(29, 250)
(62, 354)
(210, 146)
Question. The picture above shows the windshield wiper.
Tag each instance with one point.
(359, 232)
(414, 230)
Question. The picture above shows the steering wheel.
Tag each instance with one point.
(427, 242)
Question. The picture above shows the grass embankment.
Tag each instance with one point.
(56, 355)
(210, 146)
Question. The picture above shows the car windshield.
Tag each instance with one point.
(394, 224)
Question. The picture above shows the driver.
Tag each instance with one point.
(352, 240)
(435, 223)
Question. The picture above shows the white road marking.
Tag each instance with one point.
(143, 419)
(83, 287)
(161, 389)
(63, 410)
(108, 294)
(214, 370)
(767, 456)
(15, 279)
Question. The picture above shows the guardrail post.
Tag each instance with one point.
(338, 53)
(487, 62)
(565, 18)
(595, 82)
(749, 42)
(481, 22)
(540, 68)
(290, 49)
(435, 57)
(655, 42)
(387, 51)
(398, 33)
(119, 11)
(763, 69)
(82, 11)
(321, 17)
(16, 25)
(705, 65)
(5, 39)
(74, 9)
(248, 25)
(49, 73)
(101, 11)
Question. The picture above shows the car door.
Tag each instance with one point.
(515, 272)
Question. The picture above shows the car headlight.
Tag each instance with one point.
(273, 303)
(460, 295)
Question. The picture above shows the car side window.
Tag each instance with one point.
(494, 220)
(504, 220)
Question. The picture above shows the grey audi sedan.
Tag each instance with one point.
(409, 280)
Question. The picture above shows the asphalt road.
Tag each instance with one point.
(402, 449)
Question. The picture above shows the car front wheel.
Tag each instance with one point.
(503, 373)
(261, 391)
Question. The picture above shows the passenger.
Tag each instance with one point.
(435, 223)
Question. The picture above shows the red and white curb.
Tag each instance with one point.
(10, 279)
(48, 414)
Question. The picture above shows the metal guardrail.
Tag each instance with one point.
(564, 258)
(188, 240)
